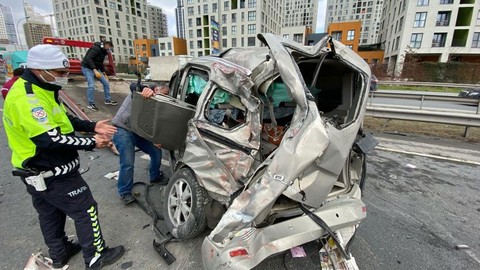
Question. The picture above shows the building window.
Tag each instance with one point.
(190, 11)
(420, 18)
(190, 33)
(416, 40)
(286, 36)
(199, 32)
(252, 3)
(169, 45)
(205, 9)
(224, 43)
(214, 7)
(191, 44)
(443, 18)
(446, 2)
(439, 39)
(337, 35)
(252, 29)
(99, 11)
(198, 21)
(476, 40)
(190, 23)
(224, 31)
(478, 18)
(422, 2)
(234, 17)
(298, 38)
(224, 18)
(400, 24)
(234, 29)
(199, 44)
(251, 41)
(351, 35)
(252, 16)
(234, 42)
(226, 5)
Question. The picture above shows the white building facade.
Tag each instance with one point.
(369, 12)
(300, 13)
(119, 21)
(433, 30)
(213, 25)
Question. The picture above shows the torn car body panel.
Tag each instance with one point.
(273, 130)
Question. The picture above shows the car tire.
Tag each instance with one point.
(184, 205)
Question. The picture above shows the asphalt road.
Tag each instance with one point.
(421, 195)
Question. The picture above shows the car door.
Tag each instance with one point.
(224, 136)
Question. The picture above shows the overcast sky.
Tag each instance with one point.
(44, 7)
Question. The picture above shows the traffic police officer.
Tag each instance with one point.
(44, 148)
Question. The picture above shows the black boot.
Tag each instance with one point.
(71, 249)
(107, 256)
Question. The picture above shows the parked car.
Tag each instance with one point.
(269, 147)
(470, 93)
(373, 83)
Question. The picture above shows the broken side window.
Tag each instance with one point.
(225, 110)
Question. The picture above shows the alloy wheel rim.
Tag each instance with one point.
(180, 202)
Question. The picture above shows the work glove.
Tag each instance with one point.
(97, 74)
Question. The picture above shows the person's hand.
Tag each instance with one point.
(97, 74)
(147, 92)
(103, 127)
(158, 145)
(105, 75)
(102, 141)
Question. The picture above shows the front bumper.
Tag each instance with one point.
(344, 211)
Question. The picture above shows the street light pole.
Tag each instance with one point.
(18, 32)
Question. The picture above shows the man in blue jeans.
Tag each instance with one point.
(92, 67)
(125, 140)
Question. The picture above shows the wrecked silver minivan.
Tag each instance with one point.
(269, 146)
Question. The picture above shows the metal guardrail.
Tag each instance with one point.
(462, 119)
(409, 83)
(445, 116)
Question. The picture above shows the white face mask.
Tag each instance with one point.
(60, 81)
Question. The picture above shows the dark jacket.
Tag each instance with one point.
(95, 56)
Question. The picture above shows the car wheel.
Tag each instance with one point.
(184, 205)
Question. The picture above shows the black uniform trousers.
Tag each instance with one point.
(68, 195)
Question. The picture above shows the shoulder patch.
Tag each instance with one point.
(39, 114)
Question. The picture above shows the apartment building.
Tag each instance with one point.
(296, 33)
(158, 22)
(430, 30)
(180, 19)
(8, 31)
(300, 13)
(143, 48)
(35, 31)
(168, 46)
(349, 34)
(120, 21)
(211, 26)
(369, 12)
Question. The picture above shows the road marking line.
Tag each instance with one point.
(427, 155)
(472, 255)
